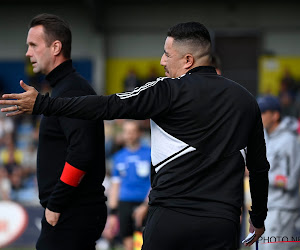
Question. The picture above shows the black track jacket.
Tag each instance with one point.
(80, 143)
(204, 130)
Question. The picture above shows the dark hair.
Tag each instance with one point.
(55, 28)
(192, 31)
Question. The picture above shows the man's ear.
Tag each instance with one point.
(189, 61)
(56, 46)
(276, 115)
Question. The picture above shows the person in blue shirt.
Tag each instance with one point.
(130, 184)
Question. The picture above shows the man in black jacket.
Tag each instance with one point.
(71, 161)
(204, 130)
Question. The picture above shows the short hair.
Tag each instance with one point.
(193, 33)
(55, 28)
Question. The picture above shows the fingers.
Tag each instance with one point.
(10, 96)
(51, 217)
(14, 110)
(24, 85)
(10, 109)
(24, 101)
(15, 113)
(258, 233)
(16, 96)
(52, 222)
(256, 238)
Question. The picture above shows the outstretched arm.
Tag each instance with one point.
(32, 102)
(150, 100)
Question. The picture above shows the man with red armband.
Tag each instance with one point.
(71, 161)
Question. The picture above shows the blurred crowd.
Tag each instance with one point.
(289, 95)
(18, 152)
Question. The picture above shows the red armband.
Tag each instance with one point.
(71, 175)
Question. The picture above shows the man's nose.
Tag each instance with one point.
(28, 54)
(162, 60)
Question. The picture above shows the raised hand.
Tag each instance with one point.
(22, 103)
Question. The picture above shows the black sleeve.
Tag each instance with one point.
(60, 197)
(258, 167)
(82, 142)
(150, 100)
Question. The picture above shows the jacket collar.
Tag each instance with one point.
(203, 69)
(60, 72)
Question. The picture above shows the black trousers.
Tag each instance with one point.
(170, 230)
(77, 229)
(127, 223)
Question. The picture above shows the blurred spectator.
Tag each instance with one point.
(287, 94)
(284, 158)
(130, 184)
(152, 76)
(287, 81)
(24, 133)
(16, 179)
(29, 161)
(131, 81)
(113, 138)
(5, 185)
(18, 167)
(287, 104)
(10, 156)
(6, 128)
(146, 132)
(104, 243)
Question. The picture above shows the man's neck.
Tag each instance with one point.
(58, 61)
(133, 147)
(202, 61)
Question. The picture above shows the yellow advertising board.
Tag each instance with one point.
(273, 68)
(117, 70)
